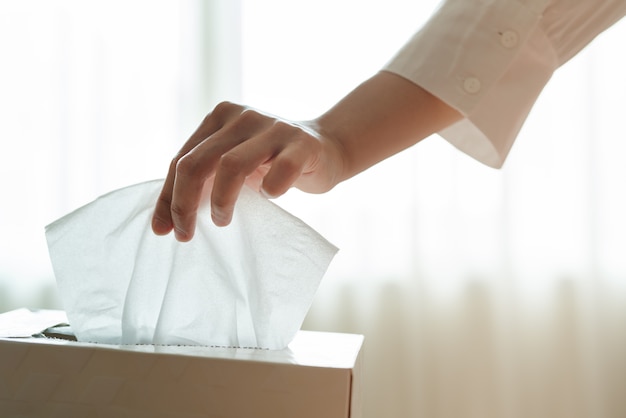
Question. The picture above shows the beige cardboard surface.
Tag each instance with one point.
(316, 376)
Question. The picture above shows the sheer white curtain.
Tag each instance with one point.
(94, 96)
(482, 293)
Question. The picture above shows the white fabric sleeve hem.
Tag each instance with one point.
(487, 59)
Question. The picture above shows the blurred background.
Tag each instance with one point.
(481, 292)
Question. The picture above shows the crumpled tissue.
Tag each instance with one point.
(249, 284)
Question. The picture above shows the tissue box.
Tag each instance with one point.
(318, 375)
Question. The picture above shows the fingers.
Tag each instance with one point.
(161, 218)
(162, 221)
(287, 167)
(211, 155)
(276, 147)
(231, 173)
(232, 146)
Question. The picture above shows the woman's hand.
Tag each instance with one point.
(236, 145)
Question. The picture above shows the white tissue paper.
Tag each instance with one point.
(249, 284)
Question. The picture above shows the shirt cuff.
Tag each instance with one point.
(489, 61)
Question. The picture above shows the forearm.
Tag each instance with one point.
(381, 117)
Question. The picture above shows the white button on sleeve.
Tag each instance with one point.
(471, 85)
(458, 56)
(509, 39)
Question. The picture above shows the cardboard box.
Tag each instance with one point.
(316, 376)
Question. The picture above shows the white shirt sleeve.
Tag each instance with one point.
(490, 59)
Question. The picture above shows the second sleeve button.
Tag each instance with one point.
(471, 85)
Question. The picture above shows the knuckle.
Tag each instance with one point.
(173, 164)
(250, 117)
(287, 166)
(231, 163)
(163, 201)
(221, 113)
(178, 211)
(183, 210)
(186, 165)
(220, 205)
(222, 108)
(282, 126)
(292, 135)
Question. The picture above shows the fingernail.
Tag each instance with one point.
(219, 218)
(266, 194)
(181, 235)
(160, 227)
